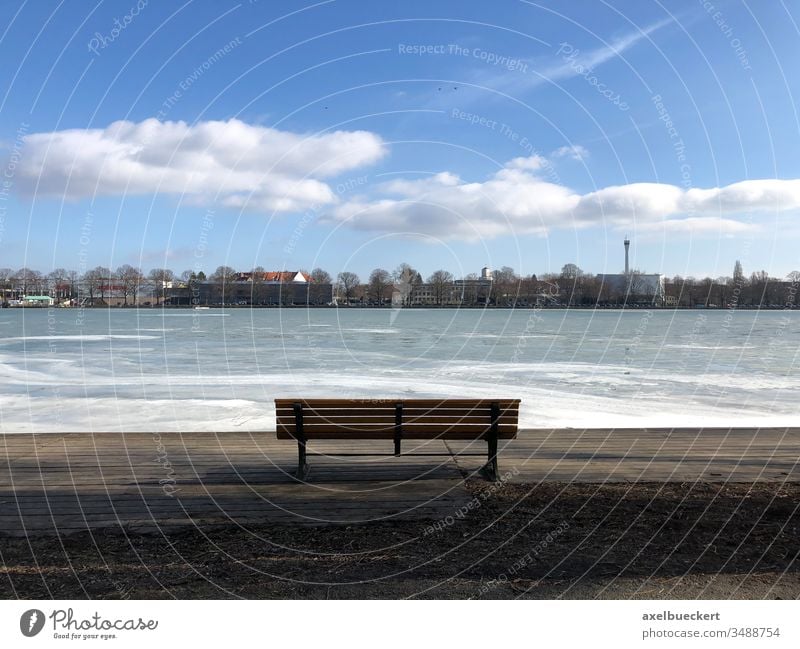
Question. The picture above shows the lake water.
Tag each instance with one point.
(113, 370)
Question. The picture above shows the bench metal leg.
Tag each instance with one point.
(490, 470)
(398, 428)
(302, 465)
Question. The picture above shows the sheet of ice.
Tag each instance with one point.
(118, 370)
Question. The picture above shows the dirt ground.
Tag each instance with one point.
(638, 540)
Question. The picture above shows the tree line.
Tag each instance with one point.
(125, 282)
(571, 287)
(575, 287)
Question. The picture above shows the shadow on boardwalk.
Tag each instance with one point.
(648, 540)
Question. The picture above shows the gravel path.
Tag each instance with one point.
(639, 540)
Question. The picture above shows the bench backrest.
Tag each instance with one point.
(379, 419)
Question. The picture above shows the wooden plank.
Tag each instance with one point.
(472, 410)
(389, 412)
(289, 421)
(410, 403)
(420, 427)
(423, 432)
(308, 417)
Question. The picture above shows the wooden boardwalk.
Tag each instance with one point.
(64, 483)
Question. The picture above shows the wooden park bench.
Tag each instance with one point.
(418, 419)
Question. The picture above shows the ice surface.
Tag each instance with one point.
(114, 370)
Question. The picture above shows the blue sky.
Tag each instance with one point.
(354, 134)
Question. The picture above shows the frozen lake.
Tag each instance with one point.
(110, 370)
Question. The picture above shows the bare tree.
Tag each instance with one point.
(223, 279)
(791, 290)
(379, 283)
(30, 281)
(160, 278)
(347, 282)
(409, 272)
(505, 285)
(72, 278)
(405, 279)
(193, 281)
(319, 276)
(320, 290)
(590, 289)
(706, 288)
(103, 277)
(758, 287)
(6, 283)
(57, 279)
(720, 290)
(257, 288)
(130, 279)
(91, 282)
(441, 282)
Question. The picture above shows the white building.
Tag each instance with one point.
(633, 286)
(37, 300)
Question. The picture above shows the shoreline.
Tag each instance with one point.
(736, 426)
(426, 307)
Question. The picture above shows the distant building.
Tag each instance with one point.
(274, 277)
(469, 291)
(430, 295)
(271, 288)
(475, 291)
(632, 287)
(37, 300)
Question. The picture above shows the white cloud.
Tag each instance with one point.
(772, 194)
(405, 187)
(516, 200)
(706, 225)
(531, 163)
(241, 165)
(628, 203)
(575, 151)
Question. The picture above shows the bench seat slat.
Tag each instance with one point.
(329, 412)
(389, 403)
(435, 430)
(408, 414)
(457, 434)
(406, 427)
(310, 420)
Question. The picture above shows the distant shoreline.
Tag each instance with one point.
(420, 307)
